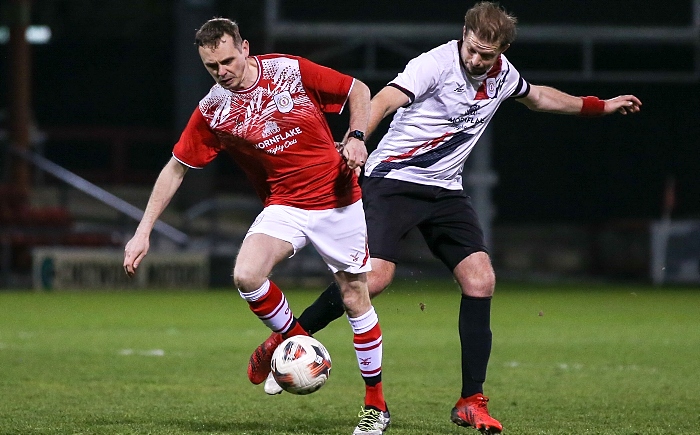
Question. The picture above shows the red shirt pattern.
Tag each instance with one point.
(277, 133)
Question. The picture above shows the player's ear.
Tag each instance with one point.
(245, 48)
(464, 33)
(505, 48)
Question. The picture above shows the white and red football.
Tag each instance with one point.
(301, 365)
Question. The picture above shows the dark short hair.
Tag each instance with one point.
(213, 30)
(491, 23)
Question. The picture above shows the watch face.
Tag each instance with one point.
(357, 134)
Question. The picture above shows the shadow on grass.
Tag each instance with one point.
(243, 426)
(296, 425)
(301, 425)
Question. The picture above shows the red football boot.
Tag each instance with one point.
(472, 412)
(259, 363)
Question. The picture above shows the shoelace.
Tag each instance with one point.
(368, 417)
(470, 411)
(481, 401)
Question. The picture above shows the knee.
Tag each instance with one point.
(247, 279)
(379, 278)
(480, 285)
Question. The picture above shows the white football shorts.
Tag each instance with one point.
(339, 234)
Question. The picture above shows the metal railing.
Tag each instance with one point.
(395, 38)
(98, 193)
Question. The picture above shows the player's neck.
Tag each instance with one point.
(250, 74)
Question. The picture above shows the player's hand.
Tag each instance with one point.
(135, 250)
(355, 153)
(623, 104)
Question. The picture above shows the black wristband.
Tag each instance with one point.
(357, 134)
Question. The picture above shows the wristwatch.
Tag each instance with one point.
(357, 134)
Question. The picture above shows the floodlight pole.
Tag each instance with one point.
(20, 89)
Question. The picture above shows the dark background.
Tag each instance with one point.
(111, 64)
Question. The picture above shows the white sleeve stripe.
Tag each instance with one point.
(189, 166)
(348, 97)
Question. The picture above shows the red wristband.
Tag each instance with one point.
(592, 106)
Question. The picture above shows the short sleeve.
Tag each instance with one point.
(420, 77)
(517, 86)
(198, 145)
(327, 87)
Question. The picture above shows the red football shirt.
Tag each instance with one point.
(277, 133)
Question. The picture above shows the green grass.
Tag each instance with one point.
(566, 360)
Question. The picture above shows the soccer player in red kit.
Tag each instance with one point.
(267, 112)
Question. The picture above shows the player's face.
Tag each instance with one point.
(478, 56)
(227, 64)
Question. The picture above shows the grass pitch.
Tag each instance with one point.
(588, 359)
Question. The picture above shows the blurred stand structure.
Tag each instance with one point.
(211, 216)
(376, 39)
(20, 89)
(190, 86)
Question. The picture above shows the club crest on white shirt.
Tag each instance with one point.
(491, 87)
(284, 102)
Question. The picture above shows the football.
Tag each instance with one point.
(301, 365)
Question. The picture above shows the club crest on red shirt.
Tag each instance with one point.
(284, 102)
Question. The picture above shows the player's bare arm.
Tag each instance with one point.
(548, 99)
(383, 104)
(355, 151)
(164, 189)
(386, 102)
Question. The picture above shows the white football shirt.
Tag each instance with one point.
(430, 138)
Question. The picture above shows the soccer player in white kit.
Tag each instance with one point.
(443, 101)
(267, 112)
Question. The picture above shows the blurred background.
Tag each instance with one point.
(93, 95)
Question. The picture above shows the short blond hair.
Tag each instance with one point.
(491, 23)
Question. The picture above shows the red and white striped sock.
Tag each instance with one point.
(368, 348)
(270, 305)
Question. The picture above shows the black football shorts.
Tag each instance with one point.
(445, 218)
